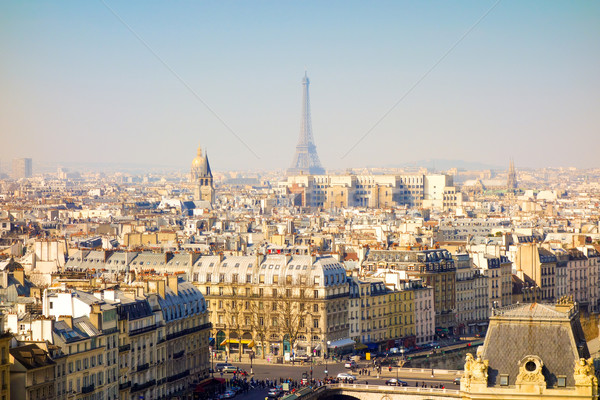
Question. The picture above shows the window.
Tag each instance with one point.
(274, 292)
(288, 292)
(208, 277)
(261, 278)
(316, 294)
(275, 278)
(222, 278)
(208, 290)
(315, 323)
(274, 322)
(249, 278)
(288, 279)
(261, 292)
(234, 277)
(316, 308)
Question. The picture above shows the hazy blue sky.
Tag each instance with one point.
(76, 85)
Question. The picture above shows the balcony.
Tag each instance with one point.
(142, 330)
(178, 376)
(88, 389)
(124, 385)
(125, 347)
(142, 367)
(143, 386)
(179, 354)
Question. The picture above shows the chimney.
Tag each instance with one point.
(68, 319)
(160, 288)
(96, 316)
(19, 275)
(172, 283)
(109, 295)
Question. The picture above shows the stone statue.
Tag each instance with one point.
(465, 381)
(480, 370)
(585, 373)
(476, 371)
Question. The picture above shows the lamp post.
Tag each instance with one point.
(212, 368)
(251, 358)
(327, 355)
(402, 360)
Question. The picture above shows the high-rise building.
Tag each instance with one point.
(22, 168)
(306, 159)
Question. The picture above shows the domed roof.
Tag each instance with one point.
(200, 166)
(199, 160)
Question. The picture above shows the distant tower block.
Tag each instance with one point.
(511, 183)
(306, 159)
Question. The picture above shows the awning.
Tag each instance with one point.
(373, 346)
(340, 343)
(249, 342)
(360, 346)
(317, 347)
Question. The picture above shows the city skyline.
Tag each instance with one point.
(81, 86)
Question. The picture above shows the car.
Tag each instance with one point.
(351, 364)
(274, 393)
(345, 376)
(220, 366)
(230, 368)
(457, 381)
(396, 382)
(301, 357)
(229, 394)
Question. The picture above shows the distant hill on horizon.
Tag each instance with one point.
(438, 164)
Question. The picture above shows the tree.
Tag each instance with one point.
(259, 324)
(292, 310)
(234, 317)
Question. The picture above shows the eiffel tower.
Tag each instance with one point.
(511, 183)
(306, 159)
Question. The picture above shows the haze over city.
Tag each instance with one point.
(507, 79)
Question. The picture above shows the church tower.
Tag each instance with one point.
(202, 179)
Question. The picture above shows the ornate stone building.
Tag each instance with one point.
(532, 351)
(275, 305)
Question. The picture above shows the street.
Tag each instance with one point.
(285, 371)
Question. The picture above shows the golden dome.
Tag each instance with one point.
(199, 160)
